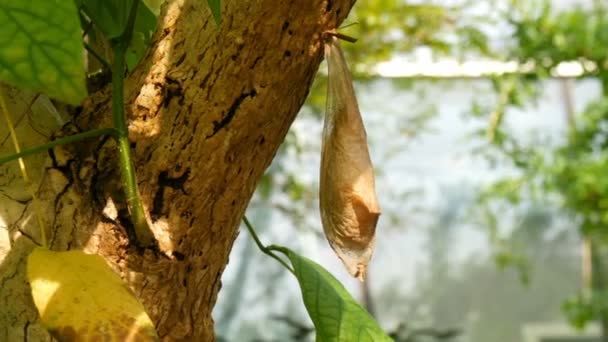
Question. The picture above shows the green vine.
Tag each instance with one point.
(58, 142)
(267, 249)
(136, 210)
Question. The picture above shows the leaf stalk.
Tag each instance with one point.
(264, 249)
(136, 210)
(57, 142)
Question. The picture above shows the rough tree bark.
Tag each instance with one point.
(208, 109)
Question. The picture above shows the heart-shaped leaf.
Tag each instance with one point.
(42, 49)
(80, 298)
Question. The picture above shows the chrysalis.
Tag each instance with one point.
(349, 207)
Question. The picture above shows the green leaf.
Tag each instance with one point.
(80, 298)
(154, 6)
(335, 314)
(215, 7)
(136, 50)
(110, 16)
(42, 49)
(143, 28)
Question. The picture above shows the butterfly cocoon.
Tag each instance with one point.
(348, 202)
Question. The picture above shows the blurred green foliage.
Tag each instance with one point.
(547, 38)
(388, 28)
(572, 174)
(391, 28)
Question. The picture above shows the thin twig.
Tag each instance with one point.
(263, 248)
(97, 56)
(341, 36)
(61, 141)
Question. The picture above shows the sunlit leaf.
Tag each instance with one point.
(215, 7)
(80, 298)
(42, 49)
(335, 314)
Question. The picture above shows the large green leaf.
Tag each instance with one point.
(334, 312)
(41, 48)
(80, 298)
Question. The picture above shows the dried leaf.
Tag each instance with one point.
(349, 207)
(80, 298)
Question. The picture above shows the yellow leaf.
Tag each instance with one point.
(80, 298)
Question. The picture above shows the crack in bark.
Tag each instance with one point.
(10, 198)
(217, 125)
(255, 62)
(203, 83)
(5, 279)
(180, 60)
(56, 204)
(25, 328)
(175, 183)
(172, 88)
(19, 218)
(29, 237)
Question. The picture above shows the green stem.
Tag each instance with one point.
(128, 33)
(61, 141)
(278, 249)
(267, 250)
(142, 230)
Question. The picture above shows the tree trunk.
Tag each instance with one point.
(208, 109)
